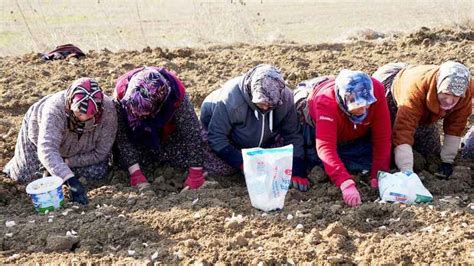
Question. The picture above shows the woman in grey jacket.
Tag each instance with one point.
(70, 134)
(253, 110)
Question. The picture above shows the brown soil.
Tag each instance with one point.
(123, 225)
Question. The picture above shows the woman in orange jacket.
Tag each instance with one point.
(418, 97)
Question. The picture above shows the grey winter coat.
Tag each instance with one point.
(233, 122)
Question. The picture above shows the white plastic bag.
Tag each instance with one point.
(404, 187)
(268, 175)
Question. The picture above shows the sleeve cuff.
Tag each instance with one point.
(404, 157)
(66, 178)
(231, 156)
(450, 148)
(299, 167)
(339, 181)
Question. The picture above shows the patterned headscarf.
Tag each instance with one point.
(301, 104)
(354, 89)
(265, 84)
(147, 90)
(84, 96)
(453, 77)
(301, 95)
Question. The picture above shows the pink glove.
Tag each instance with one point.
(195, 178)
(137, 178)
(374, 183)
(349, 193)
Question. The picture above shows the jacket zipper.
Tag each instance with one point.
(263, 130)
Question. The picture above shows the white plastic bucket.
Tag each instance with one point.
(46, 193)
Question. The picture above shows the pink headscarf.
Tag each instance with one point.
(84, 96)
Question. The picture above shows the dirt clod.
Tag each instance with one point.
(61, 243)
(239, 241)
(334, 229)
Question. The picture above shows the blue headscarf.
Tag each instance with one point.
(354, 89)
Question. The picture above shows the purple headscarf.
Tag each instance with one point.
(147, 90)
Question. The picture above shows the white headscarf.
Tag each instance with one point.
(453, 77)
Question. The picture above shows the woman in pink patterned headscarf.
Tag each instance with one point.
(83, 105)
(69, 134)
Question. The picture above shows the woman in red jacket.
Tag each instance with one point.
(352, 124)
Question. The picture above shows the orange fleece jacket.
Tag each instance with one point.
(414, 90)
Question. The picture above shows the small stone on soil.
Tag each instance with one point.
(179, 254)
(10, 223)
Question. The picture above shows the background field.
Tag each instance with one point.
(34, 25)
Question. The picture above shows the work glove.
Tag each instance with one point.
(374, 183)
(445, 170)
(77, 192)
(195, 178)
(137, 178)
(350, 194)
(300, 183)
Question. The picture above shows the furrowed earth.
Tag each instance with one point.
(165, 225)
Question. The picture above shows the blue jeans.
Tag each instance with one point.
(356, 154)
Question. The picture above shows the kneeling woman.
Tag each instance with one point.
(70, 134)
(253, 110)
(157, 124)
(351, 129)
(418, 97)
